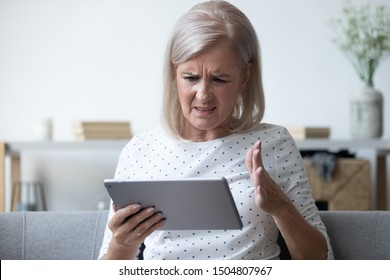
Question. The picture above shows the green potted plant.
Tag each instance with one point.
(363, 35)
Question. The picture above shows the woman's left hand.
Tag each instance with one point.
(268, 195)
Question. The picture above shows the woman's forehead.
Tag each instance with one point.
(217, 59)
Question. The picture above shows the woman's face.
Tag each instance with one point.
(208, 87)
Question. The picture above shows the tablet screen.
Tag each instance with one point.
(186, 203)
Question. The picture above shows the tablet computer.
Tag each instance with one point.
(186, 203)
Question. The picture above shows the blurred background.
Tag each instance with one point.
(102, 60)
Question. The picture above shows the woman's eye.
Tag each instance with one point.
(219, 81)
(191, 78)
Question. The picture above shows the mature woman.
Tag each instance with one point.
(213, 107)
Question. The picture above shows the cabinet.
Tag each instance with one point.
(375, 151)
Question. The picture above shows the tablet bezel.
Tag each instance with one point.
(187, 203)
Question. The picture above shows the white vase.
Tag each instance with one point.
(366, 113)
(43, 130)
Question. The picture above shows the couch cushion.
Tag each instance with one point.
(79, 234)
(358, 235)
(382, 236)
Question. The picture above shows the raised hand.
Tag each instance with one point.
(268, 195)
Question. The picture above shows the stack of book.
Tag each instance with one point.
(300, 133)
(94, 130)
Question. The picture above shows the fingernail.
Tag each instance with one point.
(160, 215)
(135, 207)
(150, 210)
(163, 221)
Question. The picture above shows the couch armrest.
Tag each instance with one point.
(51, 235)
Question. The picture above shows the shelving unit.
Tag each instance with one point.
(14, 150)
(378, 148)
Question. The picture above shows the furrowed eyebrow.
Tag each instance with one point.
(218, 75)
(189, 73)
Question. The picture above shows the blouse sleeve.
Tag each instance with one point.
(292, 178)
(119, 174)
(107, 235)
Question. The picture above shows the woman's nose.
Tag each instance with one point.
(203, 89)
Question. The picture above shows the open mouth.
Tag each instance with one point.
(205, 109)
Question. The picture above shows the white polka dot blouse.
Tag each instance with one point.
(153, 154)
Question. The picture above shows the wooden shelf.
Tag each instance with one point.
(380, 148)
(318, 144)
(13, 150)
(17, 147)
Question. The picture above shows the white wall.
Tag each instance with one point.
(102, 59)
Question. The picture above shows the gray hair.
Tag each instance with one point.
(201, 28)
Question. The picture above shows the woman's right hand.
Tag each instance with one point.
(130, 226)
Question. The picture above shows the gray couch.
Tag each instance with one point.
(78, 235)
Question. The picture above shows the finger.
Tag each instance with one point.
(125, 212)
(260, 154)
(141, 217)
(144, 229)
(248, 160)
(121, 215)
(125, 230)
(257, 177)
(262, 186)
(256, 162)
(154, 227)
(114, 207)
